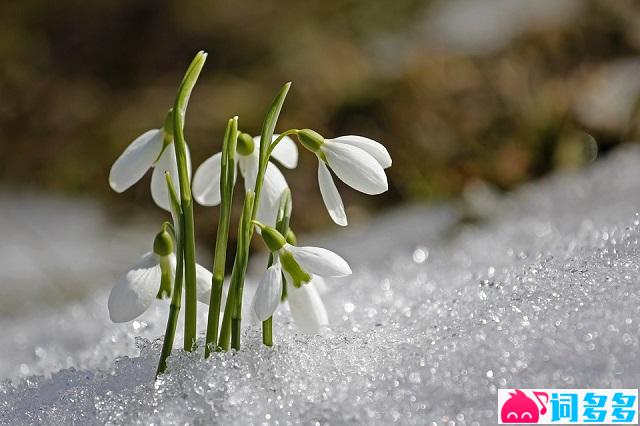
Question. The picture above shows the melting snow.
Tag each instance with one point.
(436, 318)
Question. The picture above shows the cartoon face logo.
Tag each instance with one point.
(519, 408)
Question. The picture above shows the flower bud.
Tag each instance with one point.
(163, 243)
(272, 238)
(310, 139)
(245, 144)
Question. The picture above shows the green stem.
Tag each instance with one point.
(224, 341)
(227, 181)
(189, 247)
(238, 285)
(267, 331)
(176, 296)
(282, 226)
(279, 138)
(172, 322)
(229, 332)
(246, 231)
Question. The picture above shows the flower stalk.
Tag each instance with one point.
(176, 294)
(282, 225)
(227, 183)
(232, 320)
(186, 201)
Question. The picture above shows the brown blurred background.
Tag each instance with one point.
(499, 91)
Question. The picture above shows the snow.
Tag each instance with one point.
(439, 314)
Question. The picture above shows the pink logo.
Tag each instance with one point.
(519, 408)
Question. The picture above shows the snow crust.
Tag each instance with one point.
(439, 314)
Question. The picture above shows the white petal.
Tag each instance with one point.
(272, 188)
(268, 293)
(331, 196)
(248, 165)
(286, 152)
(307, 308)
(203, 284)
(375, 149)
(320, 284)
(356, 167)
(136, 290)
(166, 162)
(134, 162)
(206, 181)
(319, 261)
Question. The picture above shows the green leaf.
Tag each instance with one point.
(269, 125)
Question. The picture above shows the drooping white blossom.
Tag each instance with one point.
(136, 290)
(357, 161)
(303, 268)
(268, 293)
(319, 261)
(306, 306)
(145, 152)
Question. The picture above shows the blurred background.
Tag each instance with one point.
(468, 96)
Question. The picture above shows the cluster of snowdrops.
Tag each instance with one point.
(293, 274)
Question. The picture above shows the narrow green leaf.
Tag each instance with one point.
(227, 183)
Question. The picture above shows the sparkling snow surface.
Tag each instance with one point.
(436, 318)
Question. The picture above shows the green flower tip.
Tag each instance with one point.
(310, 139)
(245, 144)
(163, 243)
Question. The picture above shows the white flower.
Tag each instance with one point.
(318, 261)
(303, 267)
(269, 292)
(304, 300)
(135, 291)
(305, 303)
(357, 161)
(206, 181)
(145, 152)
(307, 308)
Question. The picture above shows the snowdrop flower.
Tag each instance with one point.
(150, 278)
(206, 181)
(269, 292)
(153, 149)
(306, 306)
(299, 265)
(357, 161)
